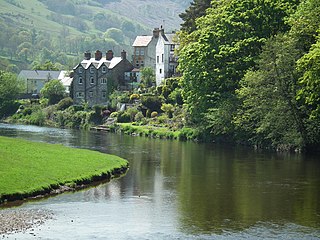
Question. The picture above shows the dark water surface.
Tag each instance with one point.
(182, 190)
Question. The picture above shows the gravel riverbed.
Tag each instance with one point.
(21, 220)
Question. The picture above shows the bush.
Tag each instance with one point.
(154, 114)
(138, 117)
(152, 102)
(134, 96)
(124, 117)
(114, 115)
(64, 103)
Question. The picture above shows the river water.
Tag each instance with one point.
(181, 190)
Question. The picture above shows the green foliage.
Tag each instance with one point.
(64, 103)
(154, 114)
(270, 114)
(196, 9)
(53, 90)
(168, 109)
(225, 45)
(10, 87)
(151, 102)
(148, 76)
(309, 94)
(124, 117)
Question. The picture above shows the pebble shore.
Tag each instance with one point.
(20, 220)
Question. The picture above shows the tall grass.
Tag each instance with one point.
(31, 168)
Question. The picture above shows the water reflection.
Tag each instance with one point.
(187, 189)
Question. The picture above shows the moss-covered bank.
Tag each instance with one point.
(29, 169)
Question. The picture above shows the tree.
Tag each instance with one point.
(53, 90)
(269, 114)
(10, 87)
(225, 45)
(196, 9)
(148, 76)
(309, 94)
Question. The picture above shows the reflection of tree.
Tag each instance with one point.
(226, 189)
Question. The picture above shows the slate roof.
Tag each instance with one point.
(98, 63)
(142, 41)
(39, 74)
(168, 37)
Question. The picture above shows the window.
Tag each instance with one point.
(104, 94)
(80, 80)
(103, 81)
(160, 70)
(137, 63)
(142, 63)
(91, 94)
(79, 95)
(104, 69)
(162, 58)
(91, 80)
(142, 51)
(91, 69)
(157, 59)
(137, 51)
(172, 47)
(80, 69)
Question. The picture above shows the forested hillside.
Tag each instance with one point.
(251, 71)
(37, 31)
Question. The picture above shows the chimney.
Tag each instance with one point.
(87, 55)
(162, 31)
(109, 55)
(98, 55)
(123, 54)
(156, 32)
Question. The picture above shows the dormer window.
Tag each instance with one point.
(91, 80)
(91, 69)
(80, 69)
(104, 69)
(80, 80)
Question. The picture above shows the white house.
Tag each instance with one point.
(166, 61)
(36, 79)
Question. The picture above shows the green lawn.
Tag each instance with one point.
(29, 168)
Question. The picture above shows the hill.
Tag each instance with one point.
(60, 31)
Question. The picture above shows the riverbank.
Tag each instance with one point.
(33, 169)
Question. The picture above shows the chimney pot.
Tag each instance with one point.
(109, 55)
(98, 55)
(123, 54)
(87, 55)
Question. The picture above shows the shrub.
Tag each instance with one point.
(64, 103)
(138, 117)
(154, 114)
(114, 115)
(152, 102)
(134, 96)
(124, 117)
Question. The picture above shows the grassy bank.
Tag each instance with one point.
(159, 132)
(29, 169)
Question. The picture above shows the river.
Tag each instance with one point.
(181, 190)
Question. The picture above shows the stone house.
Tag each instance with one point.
(96, 77)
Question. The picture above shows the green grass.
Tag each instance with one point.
(31, 168)
(159, 132)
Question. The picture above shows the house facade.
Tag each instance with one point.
(96, 77)
(157, 52)
(144, 54)
(166, 61)
(34, 80)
